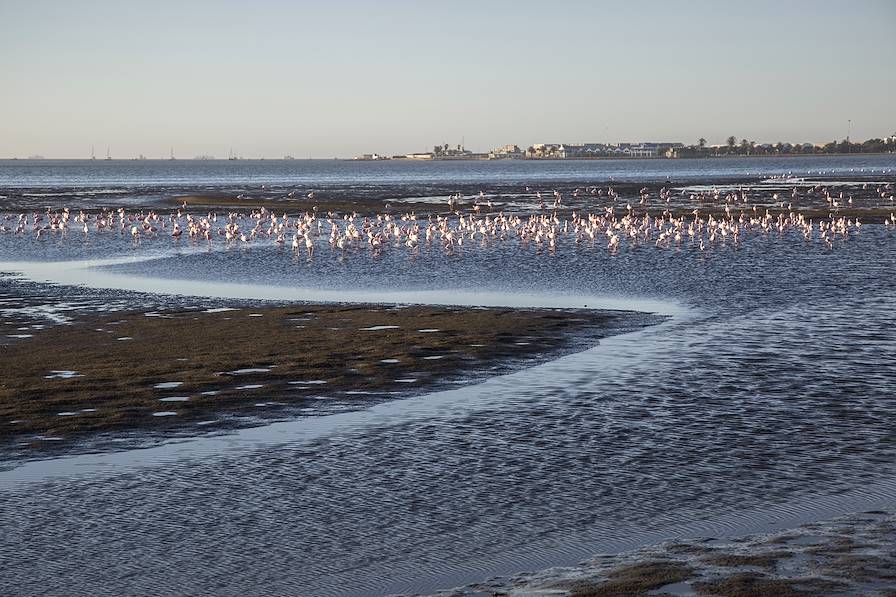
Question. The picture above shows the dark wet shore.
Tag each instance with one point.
(872, 199)
(774, 391)
(850, 555)
(191, 369)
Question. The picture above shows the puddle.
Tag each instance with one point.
(681, 589)
(807, 540)
(63, 375)
(168, 385)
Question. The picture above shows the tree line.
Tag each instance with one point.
(746, 147)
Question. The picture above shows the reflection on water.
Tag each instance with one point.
(768, 389)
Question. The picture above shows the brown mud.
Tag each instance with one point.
(118, 371)
(850, 555)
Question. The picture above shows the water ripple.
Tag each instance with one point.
(772, 399)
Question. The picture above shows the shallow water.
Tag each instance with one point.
(767, 397)
(58, 178)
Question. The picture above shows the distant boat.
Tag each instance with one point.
(92, 153)
(172, 154)
(231, 156)
(108, 155)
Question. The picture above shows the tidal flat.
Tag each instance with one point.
(847, 555)
(191, 370)
(408, 461)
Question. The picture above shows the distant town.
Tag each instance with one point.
(579, 151)
(585, 151)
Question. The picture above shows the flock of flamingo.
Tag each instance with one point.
(611, 226)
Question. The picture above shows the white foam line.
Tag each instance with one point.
(85, 273)
(611, 353)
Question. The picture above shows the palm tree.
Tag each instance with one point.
(731, 141)
(701, 142)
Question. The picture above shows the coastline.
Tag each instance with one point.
(431, 200)
(190, 370)
(451, 159)
(184, 315)
(850, 554)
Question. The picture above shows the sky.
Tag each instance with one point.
(339, 78)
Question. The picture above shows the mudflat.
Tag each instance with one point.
(169, 369)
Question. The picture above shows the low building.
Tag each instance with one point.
(506, 152)
(647, 150)
(446, 152)
(685, 152)
(564, 151)
(541, 151)
(583, 150)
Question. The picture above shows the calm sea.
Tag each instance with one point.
(102, 174)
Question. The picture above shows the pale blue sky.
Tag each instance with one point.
(340, 78)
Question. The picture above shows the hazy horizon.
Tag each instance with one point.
(347, 78)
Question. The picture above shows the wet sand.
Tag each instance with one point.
(428, 200)
(432, 199)
(194, 370)
(850, 555)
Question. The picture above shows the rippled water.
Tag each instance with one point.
(769, 391)
(116, 177)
